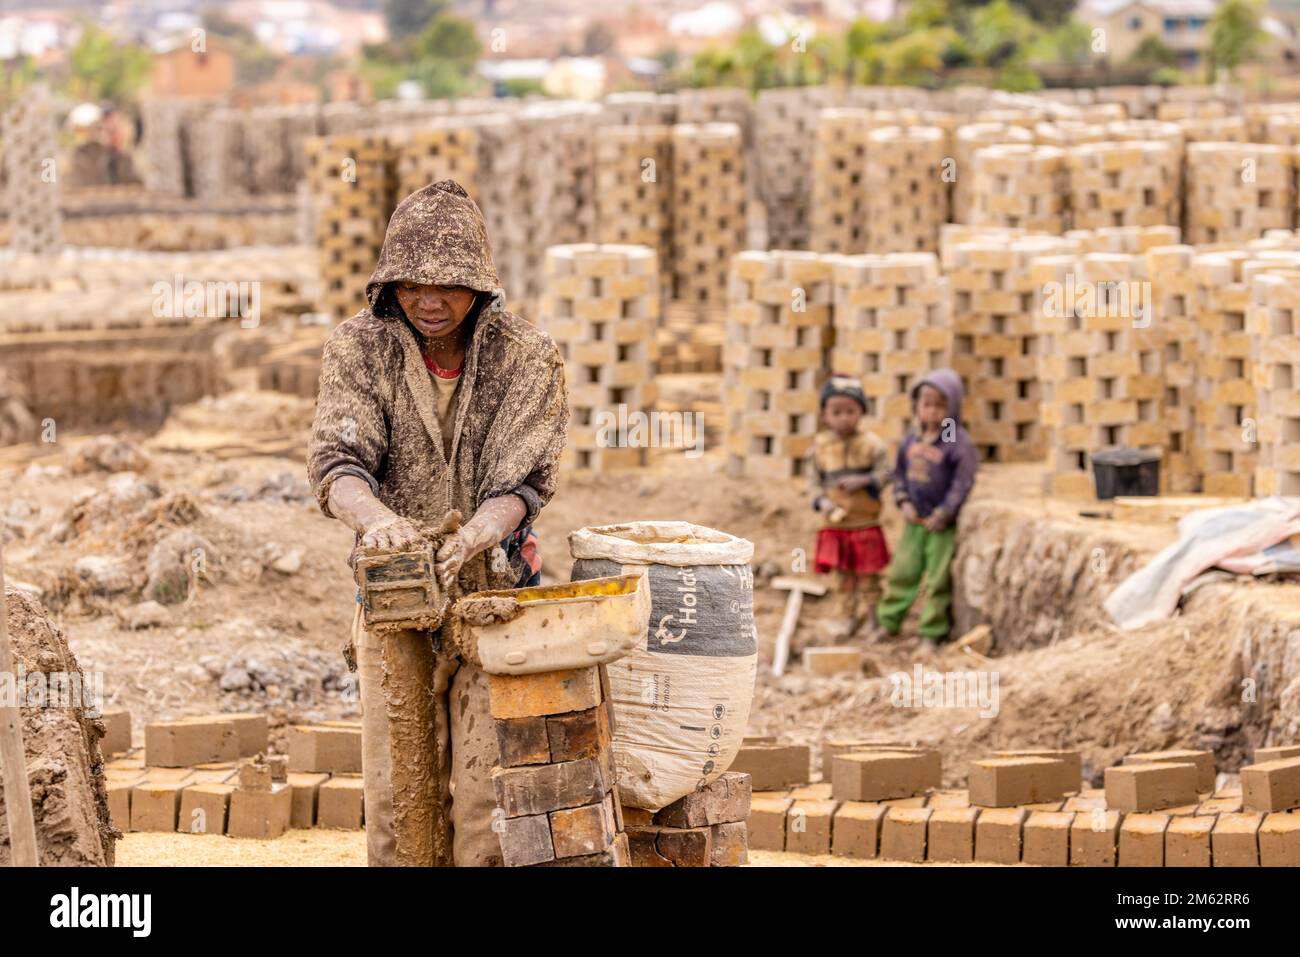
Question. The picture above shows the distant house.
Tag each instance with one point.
(1181, 25)
(178, 70)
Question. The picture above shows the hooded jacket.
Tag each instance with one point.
(376, 415)
(937, 474)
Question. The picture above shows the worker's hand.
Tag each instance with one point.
(909, 513)
(451, 558)
(936, 521)
(390, 532)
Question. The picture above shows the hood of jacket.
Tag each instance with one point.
(437, 236)
(948, 382)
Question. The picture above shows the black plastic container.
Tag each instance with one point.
(1126, 471)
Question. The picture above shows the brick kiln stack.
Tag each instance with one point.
(891, 318)
(778, 332)
(839, 195)
(441, 149)
(1174, 295)
(1236, 191)
(968, 140)
(634, 188)
(30, 153)
(600, 305)
(1019, 185)
(785, 140)
(638, 108)
(907, 197)
(708, 197)
(1124, 184)
(1274, 325)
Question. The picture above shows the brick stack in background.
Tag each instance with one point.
(555, 784)
(891, 318)
(350, 189)
(1124, 184)
(500, 159)
(601, 306)
(839, 195)
(785, 140)
(703, 829)
(1174, 298)
(1236, 191)
(1019, 185)
(639, 108)
(1066, 134)
(778, 332)
(162, 159)
(907, 197)
(1273, 322)
(708, 202)
(30, 153)
(1100, 365)
(995, 341)
(634, 188)
(967, 141)
(442, 149)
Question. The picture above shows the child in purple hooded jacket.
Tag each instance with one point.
(934, 473)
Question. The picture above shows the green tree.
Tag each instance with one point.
(446, 54)
(1235, 35)
(408, 18)
(1152, 52)
(916, 58)
(1000, 33)
(863, 42)
(102, 69)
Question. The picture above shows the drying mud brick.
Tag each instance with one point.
(1086, 800)
(808, 829)
(1071, 779)
(1279, 841)
(279, 767)
(255, 777)
(1280, 753)
(1271, 786)
(952, 834)
(132, 761)
(522, 741)
(306, 788)
(773, 766)
(525, 840)
(317, 748)
(204, 808)
(723, 801)
(1094, 838)
(340, 803)
(117, 733)
(260, 814)
(1004, 782)
(948, 799)
(550, 692)
(551, 787)
(156, 806)
(902, 835)
(616, 855)
(1204, 761)
(580, 831)
(637, 816)
(767, 823)
(669, 846)
(833, 660)
(821, 791)
(251, 729)
(998, 835)
(579, 734)
(833, 747)
(178, 744)
(1234, 842)
(119, 803)
(730, 845)
(1187, 841)
(1151, 787)
(856, 829)
(1047, 838)
(881, 775)
(1142, 840)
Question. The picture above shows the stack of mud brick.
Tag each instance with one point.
(1124, 184)
(162, 158)
(219, 162)
(1237, 191)
(994, 340)
(639, 108)
(1100, 363)
(967, 141)
(1226, 438)
(444, 148)
(891, 317)
(907, 196)
(785, 140)
(1209, 122)
(1019, 185)
(778, 334)
(600, 306)
(1174, 304)
(499, 196)
(30, 154)
(708, 202)
(839, 196)
(703, 829)
(1067, 133)
(717, 105)
(211, 775)
(634, 188)
(350, 183)
(556, 788)
(1273, 322)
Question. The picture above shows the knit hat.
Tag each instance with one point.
(844, 385)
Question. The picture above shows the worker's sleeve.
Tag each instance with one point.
(522, 454)
(900, 472)
(815, 479)
(963, 479)
(349, 435)
(880, 464)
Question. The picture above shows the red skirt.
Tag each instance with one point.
(861, 551)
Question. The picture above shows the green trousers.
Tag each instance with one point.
(920, 554)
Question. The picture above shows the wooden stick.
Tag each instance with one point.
(13, 760)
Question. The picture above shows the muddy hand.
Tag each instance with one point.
(451, 557)
(390, 533)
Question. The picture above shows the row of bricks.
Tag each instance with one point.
(330, 746)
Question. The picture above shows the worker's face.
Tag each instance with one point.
(841, 414)
(931, 407)
(435, 311)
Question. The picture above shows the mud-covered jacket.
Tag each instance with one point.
(376, 417)
(832, 458)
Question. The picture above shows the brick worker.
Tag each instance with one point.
(436, 398)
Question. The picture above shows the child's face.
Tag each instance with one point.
(931, 407)
(841, 414)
